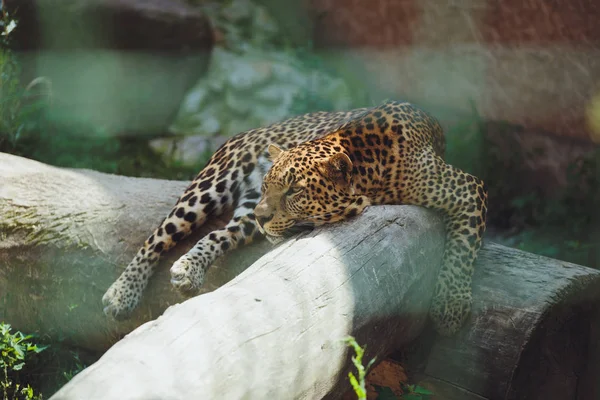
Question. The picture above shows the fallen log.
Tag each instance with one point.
(84, 214)
(533, 333)
(273, 332)
(276, 330)
(260, 337)
(66, 235)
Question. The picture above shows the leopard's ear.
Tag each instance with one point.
(337, 168)
(274, 151)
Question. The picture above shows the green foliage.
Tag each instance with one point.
(64, 145)
(358, 384)
(11, 93)
(15, 350)
(385, 393)
(415, 392)
(410, 392)
(77, 368)
(20, 107)
(10, 100)
(566, 225)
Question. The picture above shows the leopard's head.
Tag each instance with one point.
(307, 186)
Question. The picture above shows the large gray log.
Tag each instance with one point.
(66, 235)
(275, 331)
(533, 333)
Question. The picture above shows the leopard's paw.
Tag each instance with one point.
(187, 274)
(120, 299)
(450, 312)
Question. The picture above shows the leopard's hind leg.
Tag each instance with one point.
(462, 198)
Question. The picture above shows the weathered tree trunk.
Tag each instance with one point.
(533, 333)
(66, 235)
(273, 332)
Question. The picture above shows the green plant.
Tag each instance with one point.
(358, 384)
(20, 106)
(15, 348)
(79, 366)
(410, 392)
(415, 392)
(10, 86)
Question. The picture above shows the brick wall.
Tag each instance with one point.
(530, 62)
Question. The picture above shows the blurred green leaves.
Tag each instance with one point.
(15, 349)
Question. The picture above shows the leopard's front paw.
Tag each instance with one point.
(187, 274)
(120, 299)
(450, 312)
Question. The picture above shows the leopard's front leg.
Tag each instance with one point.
(187, 273)
(189, 213)
(213, 191)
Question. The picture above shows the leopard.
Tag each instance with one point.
(315, 169)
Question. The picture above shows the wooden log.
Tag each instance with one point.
(276, 330)
(66, 235)
(533, 333)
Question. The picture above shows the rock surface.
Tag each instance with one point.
(244, 91)
(254, 79)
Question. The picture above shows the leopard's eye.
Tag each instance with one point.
(294, 190)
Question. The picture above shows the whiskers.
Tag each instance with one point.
(299, 227)
(276, 236)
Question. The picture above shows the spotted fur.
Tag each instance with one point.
(326, 167)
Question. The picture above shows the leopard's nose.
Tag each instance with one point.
(262, 220)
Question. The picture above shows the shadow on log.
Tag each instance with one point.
(274, 330)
